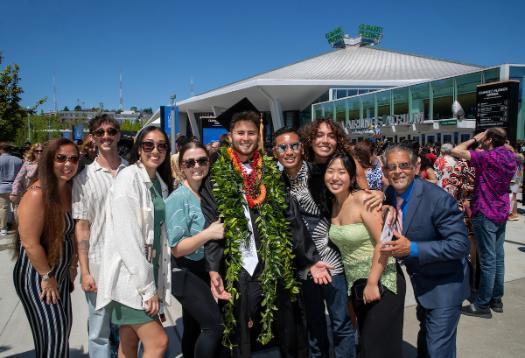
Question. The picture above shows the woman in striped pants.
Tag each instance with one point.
(45, 266)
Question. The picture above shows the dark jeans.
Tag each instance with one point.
(201, 316)
(437, 331)
(490, 237)
(335, 295)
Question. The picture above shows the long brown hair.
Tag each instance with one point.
(52, 235)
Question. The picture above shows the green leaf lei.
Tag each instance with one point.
(276, 250)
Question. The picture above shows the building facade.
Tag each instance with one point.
(440, 110)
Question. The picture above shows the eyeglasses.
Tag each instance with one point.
(402, 166)
(283, 148)
(99, 133)
(38, 151)
(149, 146)
(190, 163)
(61, 158)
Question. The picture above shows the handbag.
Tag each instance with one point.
(358, 289)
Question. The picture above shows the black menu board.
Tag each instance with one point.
(497, 106)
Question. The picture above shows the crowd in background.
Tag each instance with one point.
(140, 229)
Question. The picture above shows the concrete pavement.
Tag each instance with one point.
(501, 336)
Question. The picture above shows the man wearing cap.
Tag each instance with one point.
(254, 267)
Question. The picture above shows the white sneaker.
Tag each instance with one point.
(3, 232)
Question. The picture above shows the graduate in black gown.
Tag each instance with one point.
(245, 190)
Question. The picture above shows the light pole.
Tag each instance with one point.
(28, 124)
(173, 131)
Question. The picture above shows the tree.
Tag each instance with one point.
(11, 113)
(127, 125)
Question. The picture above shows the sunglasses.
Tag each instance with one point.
(99, 133)
(283, 148)
(38, 151)
(191, 163)
(149, 146)
(401, 166)
(61, 158)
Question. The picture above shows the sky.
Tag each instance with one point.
(179, 47)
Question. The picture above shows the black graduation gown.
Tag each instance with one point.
(289, 331)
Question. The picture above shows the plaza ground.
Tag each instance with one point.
(502, 336)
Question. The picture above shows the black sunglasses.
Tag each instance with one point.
(190, 163)
(110, 132)
(38, 151)
(149, 146)
(282, 148)
(61, 158)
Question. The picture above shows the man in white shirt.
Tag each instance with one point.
(90, 190)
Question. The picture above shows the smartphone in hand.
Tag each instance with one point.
(388, 227)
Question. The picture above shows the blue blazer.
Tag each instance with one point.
(439, 274)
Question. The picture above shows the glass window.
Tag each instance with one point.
(443, 92)
(400, 96)
(383, 105)
(341, 93)
(318, 110)
(464, 137)
(517, 72)
(353, 109)
(368, 106)
(340, 111)
(420, 102)
(466, 97)
(491, 75)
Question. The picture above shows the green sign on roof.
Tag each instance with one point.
(371, 33)
(336, 37)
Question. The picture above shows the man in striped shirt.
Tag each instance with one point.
(297, 174)
(90, 190)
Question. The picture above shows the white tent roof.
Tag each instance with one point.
(298, 84)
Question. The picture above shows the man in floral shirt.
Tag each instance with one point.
(495, 167)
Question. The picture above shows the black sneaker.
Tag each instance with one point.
(497, 306)
(474, 311)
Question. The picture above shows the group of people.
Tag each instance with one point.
(252, 246)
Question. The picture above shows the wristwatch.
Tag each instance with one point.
(47, 276)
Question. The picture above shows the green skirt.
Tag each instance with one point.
(122, 315)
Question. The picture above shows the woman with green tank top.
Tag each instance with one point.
(375, 283)
(136, 283)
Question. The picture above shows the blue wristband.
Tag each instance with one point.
(413, 250)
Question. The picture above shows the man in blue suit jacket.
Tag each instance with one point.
(433, 246)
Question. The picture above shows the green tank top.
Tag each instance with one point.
(357, 248)
(159, 215)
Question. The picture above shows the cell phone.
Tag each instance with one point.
(388, 230)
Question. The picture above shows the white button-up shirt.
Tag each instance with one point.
(90, 191)
(128, 275)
